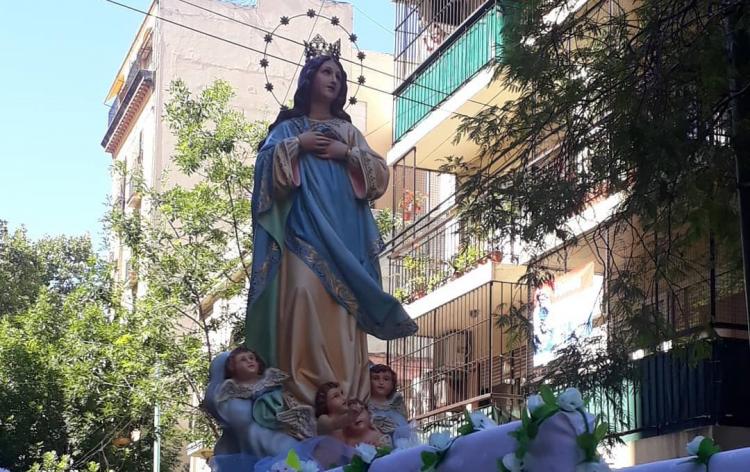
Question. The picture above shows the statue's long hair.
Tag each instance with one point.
(303, 95)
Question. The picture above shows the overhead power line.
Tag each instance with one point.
(250, 48)
(343, 59)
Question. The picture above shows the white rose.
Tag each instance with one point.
(366, 451)
(694, 445)
(570, 400)
(480, 421)
(534, 402)
(407, 442)
(599, 466)
(282, 466)
(441, 440)
(512, 463)
(309, 466)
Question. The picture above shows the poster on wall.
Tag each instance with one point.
(565, 310)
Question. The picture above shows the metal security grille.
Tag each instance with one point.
(460, 355)
(422, 26)
(429, 78)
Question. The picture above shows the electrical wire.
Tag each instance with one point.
(249, 48)
(343, 59)
(296, 68)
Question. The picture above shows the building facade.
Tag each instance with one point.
(466, 290)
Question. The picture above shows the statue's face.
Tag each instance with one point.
(362, 423)
(381, 384)
(245, 366)
(335, 400)
(327, 82)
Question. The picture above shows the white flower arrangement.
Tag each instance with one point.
(411, 441)
(703, 449)
(367, 452)
(543, 406)
(480, 421)
(441, 441)
(282, 466)
(533, 403)
(694, 445)
(292, 463)
(512, 463)
(309, 466)
(570, 400)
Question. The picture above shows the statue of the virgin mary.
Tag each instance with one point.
(315, 289)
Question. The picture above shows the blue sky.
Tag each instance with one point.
(58, 61)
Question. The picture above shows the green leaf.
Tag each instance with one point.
(292, 460)
(429, 460)
(525, 418)
(544, 412)
(356, 465)
(601, 431)
(706, 449)
(547, 395)
(465, 429)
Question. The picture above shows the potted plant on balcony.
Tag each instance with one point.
(411, 205)
(416, 269)
(400, 294)
(496, 255)
(465, 259)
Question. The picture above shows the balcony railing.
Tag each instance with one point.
(427, 83)
(423, 263)
(137, 88)
(423, 26)
(460, 355)
(669, 394)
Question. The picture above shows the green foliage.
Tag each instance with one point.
(193, 248)
(468, 256)
(589, 441)
(57, 263)
(706, 449)
(71, 379)
(84, 359)
(52, 463)
(430, 460)
(387, 223)
(620, 100)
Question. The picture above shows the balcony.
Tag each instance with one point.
(127, 106)
(460, 356)
(670, 395)
(441, 44)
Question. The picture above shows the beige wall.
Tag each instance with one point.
(199, 60)
(672, 445)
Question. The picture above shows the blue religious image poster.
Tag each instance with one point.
(565, 310)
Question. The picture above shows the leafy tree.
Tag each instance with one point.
(191, 247)
(58, 263)
(72, 378)
(84, 358)
(611, 97)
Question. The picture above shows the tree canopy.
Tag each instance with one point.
(637, 100)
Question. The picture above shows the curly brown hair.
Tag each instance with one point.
(229, 367)
(379, 369)
(321, 398)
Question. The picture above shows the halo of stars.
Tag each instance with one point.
(334, 21)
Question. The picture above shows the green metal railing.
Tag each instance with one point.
(475, 46)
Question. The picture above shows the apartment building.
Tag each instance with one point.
(457, 285)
